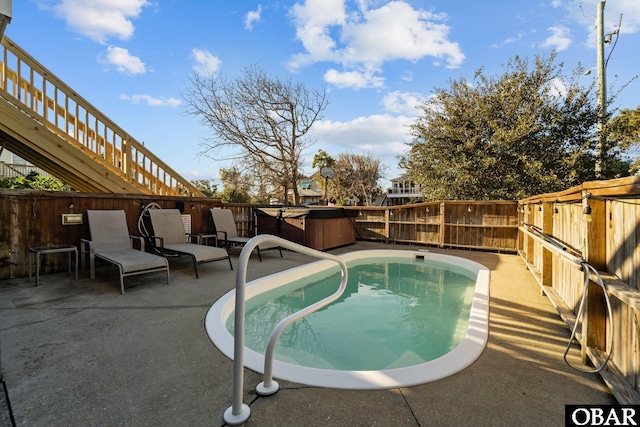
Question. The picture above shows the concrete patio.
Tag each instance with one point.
(78, 353)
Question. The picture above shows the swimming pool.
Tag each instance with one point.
(381, 361)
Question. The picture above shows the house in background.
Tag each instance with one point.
(12, 166)
(309, 191)
(403, 191)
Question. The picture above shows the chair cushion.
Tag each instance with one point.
(244, 240)
(201, 253)
(134, 260)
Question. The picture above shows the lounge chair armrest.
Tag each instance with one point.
(138, 238)
(158, 241)
(86, 247)
(224, 233)
(203, 239)
(191, 236)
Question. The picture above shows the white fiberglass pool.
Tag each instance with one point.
(406, 318)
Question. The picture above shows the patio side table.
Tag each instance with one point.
(69, 249)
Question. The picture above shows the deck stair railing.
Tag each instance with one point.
(89, 151)
(238, 412)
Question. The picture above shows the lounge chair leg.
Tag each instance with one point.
(121, 281)
(259, 256)
(195, 266)
(230, 265)
(92, 267)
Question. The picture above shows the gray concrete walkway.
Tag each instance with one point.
(77, 353)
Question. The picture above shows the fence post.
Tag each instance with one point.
(387, 215)
(594, 252)
(126, 160)
(528, 244)
(546, 269)
(442, 224)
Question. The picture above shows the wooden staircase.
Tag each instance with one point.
(46, 123)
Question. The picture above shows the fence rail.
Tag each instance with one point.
(491, 225)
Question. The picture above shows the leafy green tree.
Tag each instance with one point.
(624, 130)
(320, 160)
(207, 186)
(233, 195)
(34, 181)
(235, 186)
(528, 131)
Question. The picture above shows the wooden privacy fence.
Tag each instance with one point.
(34, 218)
(31, 218)
(599, 222)
(487, 225)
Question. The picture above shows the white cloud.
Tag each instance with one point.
(123, 61)
(206, 63)
(353, 79)
(560, 38)
(102, 19)
(251, 17)
(407, 76)
(397, 31)
(519, 36)
(369, 37)
(406, 103)
(313, 22)
(558, 88)
(151, 101)
(377, 134)
(383, 137)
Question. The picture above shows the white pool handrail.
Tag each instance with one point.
(238, 412)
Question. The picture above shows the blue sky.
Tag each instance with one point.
(378, 59)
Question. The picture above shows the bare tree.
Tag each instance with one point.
(357, 175)
(258, 120)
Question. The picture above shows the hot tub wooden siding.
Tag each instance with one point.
(319, 229)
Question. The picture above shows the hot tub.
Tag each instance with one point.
(318, 228)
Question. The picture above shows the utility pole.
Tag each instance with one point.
(602, 94)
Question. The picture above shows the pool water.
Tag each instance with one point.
(395, 312)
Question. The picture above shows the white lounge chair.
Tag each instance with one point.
(111, 241)
(227, 231)
(171, 239)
